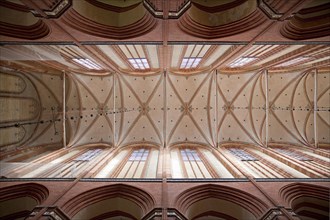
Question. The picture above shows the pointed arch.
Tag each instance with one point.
(141, 200)
(248, 203)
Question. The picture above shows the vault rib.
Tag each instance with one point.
(199, 88)
(85, 131)
(325, 122)
(299, 76)
(295, 86)
(130, 128)
(72, 138)
(311, 105)
(318, 99)
(246, 132)
(182, 114)
(244, 85)
(122, 99)
(152, 94)
(233, 100)
(175, 91)
(164, 108)
(250, 109)
(147, 103)
(32, 138)
(199, 129)
(264, 93)
(216, 109)
(109, 123)
(77, 80)
(208, 113)
(271, 103)
(209, 109)
(323, 93)
(289, 132)
(154, 127)
(141, 113)
(89, 91)
(64, 110)
(263, 123)
(139, 101)
(225, 113)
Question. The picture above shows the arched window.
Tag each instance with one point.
(319, 164)
(63, 164)
(195, 162)
(260, 165)
(136, 164)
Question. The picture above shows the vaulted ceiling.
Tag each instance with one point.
(202, 57)
(164, 72)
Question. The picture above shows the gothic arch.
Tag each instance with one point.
(224, 195)
(100, 24)
(112, 196)
(24, 197)
(310, 22)
(18, 91)
(19, 22)
(307, 200)
(214, 20)
(189, 144)
(140, 145)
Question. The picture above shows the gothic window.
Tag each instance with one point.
(139, 155)
(320, 163)
(190, 62)
(135, 165)
(89, 155)
(194, 166)
(259, 165)
(78, 164)
(139, 63)
(293, 154)
(68, 165)
(242, 155)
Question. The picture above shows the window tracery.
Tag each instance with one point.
(293, 154)
(242, 155)
(136, 165)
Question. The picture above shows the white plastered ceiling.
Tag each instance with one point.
(211, 104)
